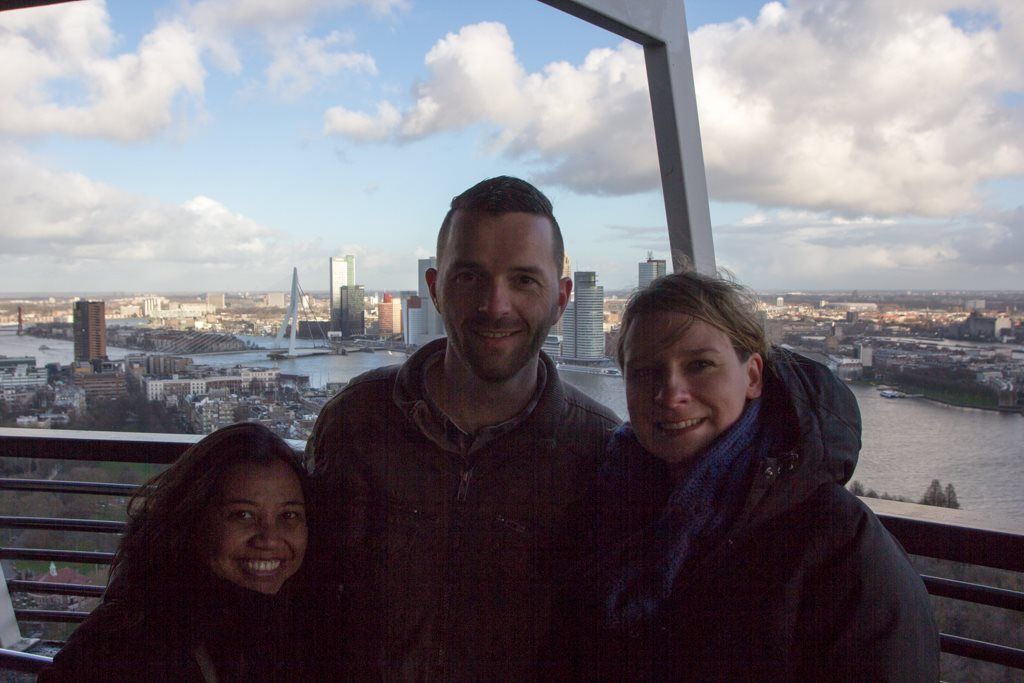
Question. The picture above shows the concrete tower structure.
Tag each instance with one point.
(650, 270)
(583, 326)
(90, 330)
(557, 328)
(433, 325)
(389, 316)
(412, 320)
(215, 301)
(423, 322)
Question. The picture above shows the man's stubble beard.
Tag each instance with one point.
(480, 364)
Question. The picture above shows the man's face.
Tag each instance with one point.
(498, 290)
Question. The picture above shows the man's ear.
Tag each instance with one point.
(431, 277)
(564, 291)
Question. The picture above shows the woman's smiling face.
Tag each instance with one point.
(685, 384)
(258, 527)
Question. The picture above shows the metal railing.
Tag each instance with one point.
(927, 531)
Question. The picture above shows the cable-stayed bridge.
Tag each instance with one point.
(291, 319)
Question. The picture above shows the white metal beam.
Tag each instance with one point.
(660, 26)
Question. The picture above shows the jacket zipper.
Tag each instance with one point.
(453, 547)
(464, 486)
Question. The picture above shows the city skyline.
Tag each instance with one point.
(210, 146)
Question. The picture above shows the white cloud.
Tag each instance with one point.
(362, 127)
(300, 65)
(63, 230)
(782, 248)
(62, 74)
(590, 124)
(233, 15)
(49, 211)
(786, 248)
(126, 97)
(864, 107)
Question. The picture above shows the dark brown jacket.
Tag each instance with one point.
(445, 561)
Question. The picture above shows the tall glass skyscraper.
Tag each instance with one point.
(343, 273)
(351, 310)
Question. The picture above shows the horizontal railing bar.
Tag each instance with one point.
(55, 615)
(61, 524)
(974, 592)
(986, 652)
(73, 444)
(986, 547)
(24, 662)
(81, 556)
(56, 486)
(44, 588)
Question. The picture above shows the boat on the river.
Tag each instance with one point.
(589, 369)
(894, 393)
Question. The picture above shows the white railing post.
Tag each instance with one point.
(10, 632)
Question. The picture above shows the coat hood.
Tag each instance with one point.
(814, 418)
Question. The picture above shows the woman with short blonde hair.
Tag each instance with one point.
(728, 547)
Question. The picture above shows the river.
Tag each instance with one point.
(907, 442)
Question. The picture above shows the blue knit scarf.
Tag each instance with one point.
(695, 515)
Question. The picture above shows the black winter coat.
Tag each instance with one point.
(246, 636)
(805, 584)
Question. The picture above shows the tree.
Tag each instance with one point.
(934, 495)
(951, 500)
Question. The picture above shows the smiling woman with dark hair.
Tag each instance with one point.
(200, 587)
(728, 548)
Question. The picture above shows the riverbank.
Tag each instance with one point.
(956, 401)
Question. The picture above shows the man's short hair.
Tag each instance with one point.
(719, 301)
(500, 195)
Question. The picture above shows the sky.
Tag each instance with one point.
(212, 145)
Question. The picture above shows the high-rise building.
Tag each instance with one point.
(412, 320)
(389, 316)
(342, 273)
(215, 300)
(556, 329)
(433, 324)
(422, 322)
(583, 321)
(566, 265)
(351, 310)
(650, 270)
(151, 304)
(90, 330)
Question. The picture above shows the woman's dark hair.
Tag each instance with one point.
(163, 546)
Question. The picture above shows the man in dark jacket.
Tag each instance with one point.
(450, 491)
